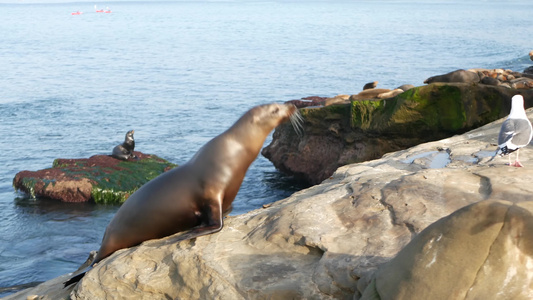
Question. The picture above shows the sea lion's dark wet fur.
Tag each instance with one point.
(125, 150)
(455, 76)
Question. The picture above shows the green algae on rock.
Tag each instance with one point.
(100, 178)
(448, 108)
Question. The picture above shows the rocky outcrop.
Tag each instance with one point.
(366, 129)
(338, 240)
(482, 251)
(100, 178)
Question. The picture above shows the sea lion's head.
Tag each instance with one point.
(129, 135)
(270, 116)
(129, 142)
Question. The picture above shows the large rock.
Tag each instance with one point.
(100, 178)
(483, 251)
(364, 130)
(326, 242)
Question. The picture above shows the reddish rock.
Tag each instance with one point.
(100, 178)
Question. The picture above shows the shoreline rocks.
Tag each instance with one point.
(338, 239)
(100, 178)
(367, 129)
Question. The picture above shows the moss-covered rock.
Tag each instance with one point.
(100, 178)
(364, 130)
(434, 108)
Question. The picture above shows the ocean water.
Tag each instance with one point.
(180, 73)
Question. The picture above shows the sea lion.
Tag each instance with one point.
(192, 198)
(455, 76)
(368, 94)
(125, 150)
(370, 85)
(528, 70)
(521, 83)
(390, 94)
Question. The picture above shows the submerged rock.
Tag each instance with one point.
(366, 129)
(100, 178)
(327, 242)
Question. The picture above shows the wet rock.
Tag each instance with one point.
(372, 94)
(490, 81)
(100, 178)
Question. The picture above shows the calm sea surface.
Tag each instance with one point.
(180, 73)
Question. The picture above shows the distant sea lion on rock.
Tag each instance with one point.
(405, 87)
(376, 94)
(370, 85)
(192, 198)
(490, 81)
(368, 94)
(339, 99)
(390, 94)
(521, 83)
(455, 76)
(125, 150)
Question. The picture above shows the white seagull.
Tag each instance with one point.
(516, 131)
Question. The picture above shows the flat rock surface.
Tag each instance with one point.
(328, 241)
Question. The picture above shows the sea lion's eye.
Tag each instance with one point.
(275, 111)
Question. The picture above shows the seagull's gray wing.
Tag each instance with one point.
(516, 131)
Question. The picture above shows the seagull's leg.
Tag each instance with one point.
(517, 162)
(509, 157)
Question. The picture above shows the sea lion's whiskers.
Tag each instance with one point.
(297, 123)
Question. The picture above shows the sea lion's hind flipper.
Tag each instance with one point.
(76, 277)
(73, 280)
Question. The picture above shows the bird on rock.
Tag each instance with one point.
(516, 131)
